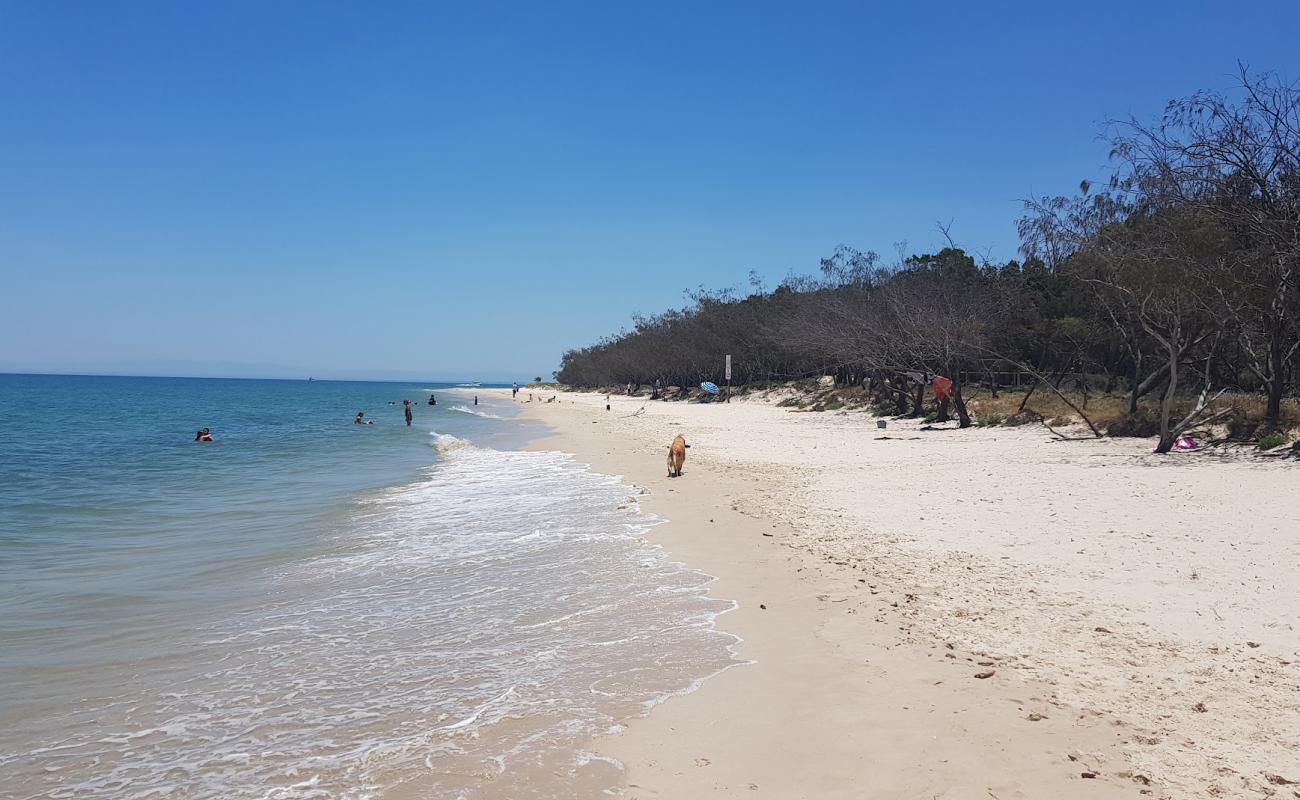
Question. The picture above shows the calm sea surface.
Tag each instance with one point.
(307, 608)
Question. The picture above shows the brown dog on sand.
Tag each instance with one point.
(676, 456)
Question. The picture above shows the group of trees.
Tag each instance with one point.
(1179, 276)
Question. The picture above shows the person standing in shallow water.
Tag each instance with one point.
(407, 406)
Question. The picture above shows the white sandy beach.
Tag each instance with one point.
(1137, 612)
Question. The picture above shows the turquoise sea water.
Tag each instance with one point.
(311, 608)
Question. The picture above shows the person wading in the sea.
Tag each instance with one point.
(407, 405)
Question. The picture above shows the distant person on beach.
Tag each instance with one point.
(475, 399)
(204, 435)
(407, 405)
(361, 419)
(514, 391)
(433, 401)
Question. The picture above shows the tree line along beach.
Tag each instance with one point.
(1160, 301)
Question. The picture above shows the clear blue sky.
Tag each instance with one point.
(464, 190)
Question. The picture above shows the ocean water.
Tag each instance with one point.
(307, 608)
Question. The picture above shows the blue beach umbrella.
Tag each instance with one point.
(711, 388)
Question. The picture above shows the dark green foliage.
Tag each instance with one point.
(1272, 441)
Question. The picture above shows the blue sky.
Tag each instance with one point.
(465, 190)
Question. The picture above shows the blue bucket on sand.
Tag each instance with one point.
(882, 424)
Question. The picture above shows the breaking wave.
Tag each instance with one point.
(475, 412)
(465, 633)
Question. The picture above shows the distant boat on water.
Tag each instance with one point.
(472, 385)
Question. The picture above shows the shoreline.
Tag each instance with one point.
(842, 698)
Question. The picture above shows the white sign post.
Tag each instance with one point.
(728, 377)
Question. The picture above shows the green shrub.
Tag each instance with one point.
(1023, 418)
(1141, 424)
(989, 420)
(1061, 422)
(1272, 440)
(834, 404)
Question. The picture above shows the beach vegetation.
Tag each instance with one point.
(1272, 441)
(1022, 418)
(1243, 428)
(1141, 423)
(1161, 301)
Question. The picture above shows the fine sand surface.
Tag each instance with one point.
(1137, 612)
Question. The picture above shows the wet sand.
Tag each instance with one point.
(1135, 612)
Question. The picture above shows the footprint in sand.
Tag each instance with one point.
(702, 762)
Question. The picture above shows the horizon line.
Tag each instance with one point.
(252, 378)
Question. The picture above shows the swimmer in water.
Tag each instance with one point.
(204, 435)
(361, 420)
(407, 406)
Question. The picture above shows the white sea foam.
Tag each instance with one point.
(467, 630)
(446, 444)
(476, 412)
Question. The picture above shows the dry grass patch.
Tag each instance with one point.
(1106, 410)
(1101, 409)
